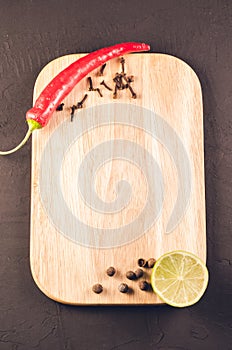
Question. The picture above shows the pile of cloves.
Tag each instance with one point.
(121, 81)
(130, 275)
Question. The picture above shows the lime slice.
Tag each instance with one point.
(179, 278)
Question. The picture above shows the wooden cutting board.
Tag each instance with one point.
(124, 180)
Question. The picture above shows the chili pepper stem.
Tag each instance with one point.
(32, 125)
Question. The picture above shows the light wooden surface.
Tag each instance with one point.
(65, 270)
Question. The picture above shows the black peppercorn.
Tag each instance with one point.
(144, 285)
(131, 275)
(123, 288)
(142, 262)
(151, 262)
(110, 271)
(139, 273)
(97, 288)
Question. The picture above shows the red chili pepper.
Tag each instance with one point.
(55, 92)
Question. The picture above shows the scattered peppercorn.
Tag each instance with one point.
(144, 285)
(151, 262)
(131, 275)
(142, 262)
(97, 288)
(123, 288)
(139, 273)
(110, 271)
(60, 107)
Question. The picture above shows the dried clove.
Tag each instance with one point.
(102, 69)
(60, 107)
(118, 81)
(73, 108)
(106, 86)
(99, 92)
(133, 94)
(91, 88)
(122, 61)
(130, 78)
(97, 288)
(80, 104)
(90, 83)
(115, 94)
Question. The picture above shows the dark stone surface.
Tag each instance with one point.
(32, 33)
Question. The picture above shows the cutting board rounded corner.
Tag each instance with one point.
(184, 64)
(41, 287)
(194, 74)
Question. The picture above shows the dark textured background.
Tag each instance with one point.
(32, 33)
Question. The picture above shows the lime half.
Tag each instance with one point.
(179, 278)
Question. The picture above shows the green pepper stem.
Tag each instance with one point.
(32, 125)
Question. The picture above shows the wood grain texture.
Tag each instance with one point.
(65, 270)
